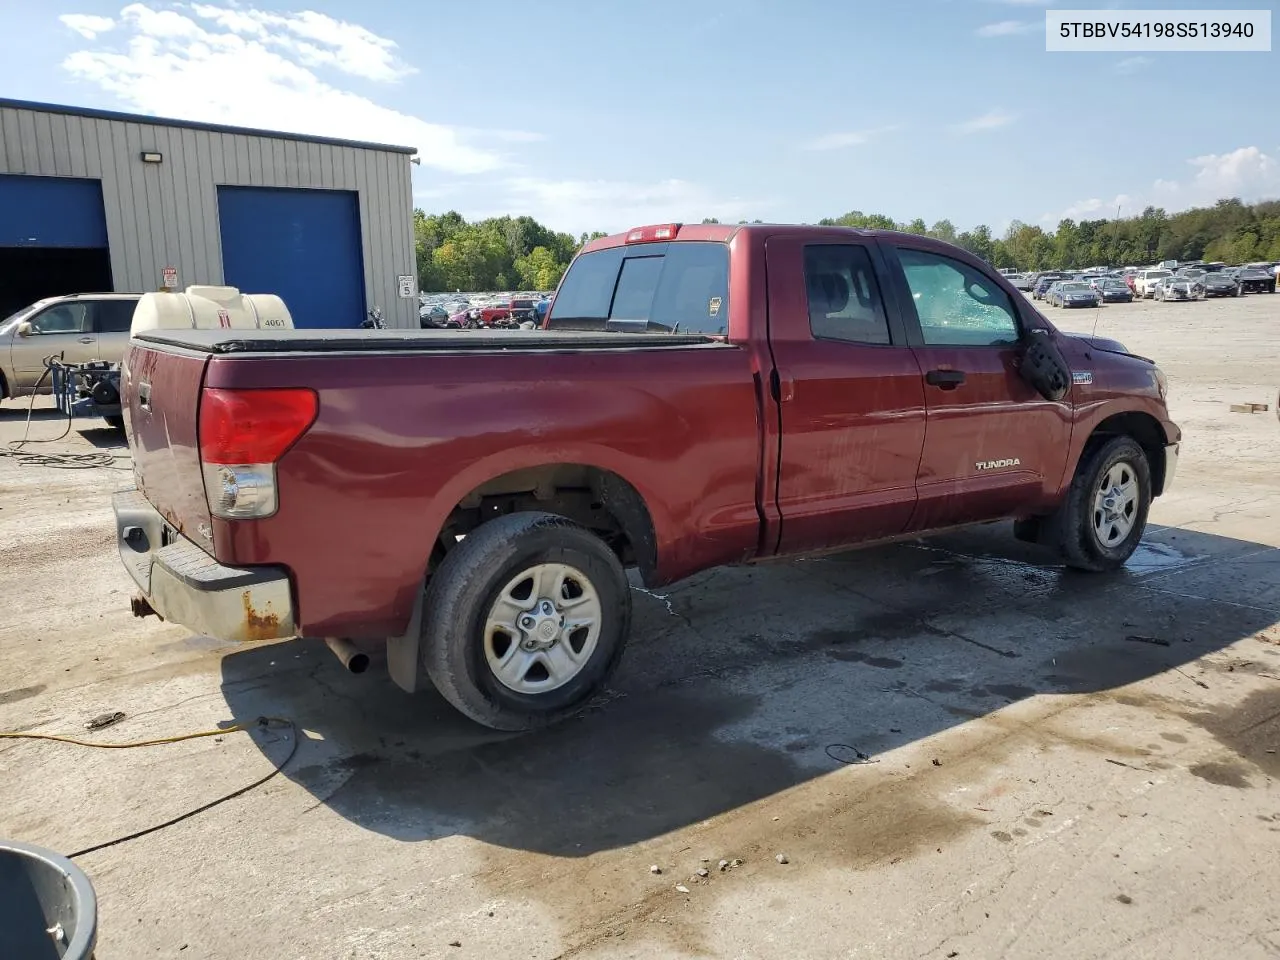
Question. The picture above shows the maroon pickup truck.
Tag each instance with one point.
(699, 395)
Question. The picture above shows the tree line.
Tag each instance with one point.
(510, 253)
(1229, 231)
(501, 253)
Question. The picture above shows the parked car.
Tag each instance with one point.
(1074, 293)
(1113, 290)
(1041, 289)
(1255, 279)
(1178, 287)
(433, 316)
(672, 420)
(79, 328)
(1144, 284)
(1220, 284)
(491, 313)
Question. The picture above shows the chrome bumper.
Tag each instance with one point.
(184, 585)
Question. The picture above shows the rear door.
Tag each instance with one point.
(111, 322)
(993, 446)
(62, 329)
(849, 394)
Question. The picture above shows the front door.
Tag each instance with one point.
(63, 329)
(849, 395)
(993, 446)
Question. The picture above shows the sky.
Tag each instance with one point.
(603, 116)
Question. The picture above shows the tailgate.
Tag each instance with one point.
(162, 395)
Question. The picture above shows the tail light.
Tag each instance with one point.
(662, 231)
(243, 433)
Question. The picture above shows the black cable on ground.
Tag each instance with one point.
(60, 460)
(261, 722)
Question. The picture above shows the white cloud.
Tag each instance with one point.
(1247, 173)
(838, 141)
(86, 24)
(614, 205)
(1132, 64)
(247, 68)
(318, 40)
(1007, 28)
(991, 120)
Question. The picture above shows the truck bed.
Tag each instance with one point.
(415, 341)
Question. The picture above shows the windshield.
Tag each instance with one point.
(1158, 274)
(1074, 287)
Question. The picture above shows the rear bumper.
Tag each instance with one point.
(185, 585)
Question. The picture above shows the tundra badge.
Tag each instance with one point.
(997, 464)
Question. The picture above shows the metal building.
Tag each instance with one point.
(94, 201)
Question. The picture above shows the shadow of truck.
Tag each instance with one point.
(738, 682)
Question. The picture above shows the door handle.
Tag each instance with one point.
(86, 339)
(944, 379)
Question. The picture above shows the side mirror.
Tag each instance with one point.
(25, 329)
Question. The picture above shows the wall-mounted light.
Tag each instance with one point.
(417, 161)
(152, 157)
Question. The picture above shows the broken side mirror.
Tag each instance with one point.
(1043, 365)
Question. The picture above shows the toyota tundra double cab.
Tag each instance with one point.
(698, 395)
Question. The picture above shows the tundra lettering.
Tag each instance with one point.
(697, 395)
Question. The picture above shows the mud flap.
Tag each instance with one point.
(403, 665)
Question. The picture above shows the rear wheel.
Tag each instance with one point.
(1103, 517)
(525, 619)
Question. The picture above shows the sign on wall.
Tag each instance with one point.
(406, 287)
(170, 275)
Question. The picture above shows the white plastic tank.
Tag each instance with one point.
(210, 308)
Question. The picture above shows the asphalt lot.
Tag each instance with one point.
(1036, 783)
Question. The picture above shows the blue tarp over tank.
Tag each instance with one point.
(51, 212)
(303, 245)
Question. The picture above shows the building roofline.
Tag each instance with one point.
(194, 125)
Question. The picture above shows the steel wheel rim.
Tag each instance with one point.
(1115, 504)
(542, 628)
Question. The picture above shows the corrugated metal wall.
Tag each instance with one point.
(166, 214)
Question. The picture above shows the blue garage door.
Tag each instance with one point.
(51, 212)
(303, 245)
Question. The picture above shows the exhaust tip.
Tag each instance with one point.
(351, 656)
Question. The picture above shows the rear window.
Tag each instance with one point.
(659, 288)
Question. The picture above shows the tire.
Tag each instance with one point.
(457, 651)
(115, 422)
(1075, 526)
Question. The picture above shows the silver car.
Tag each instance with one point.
(78, 328)
(1179, 287)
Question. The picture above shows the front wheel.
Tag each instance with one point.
(1100, 523)
(524, 620)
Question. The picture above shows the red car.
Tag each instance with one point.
(701, 395)
(516, 310)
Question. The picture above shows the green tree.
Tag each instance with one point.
(539, 270)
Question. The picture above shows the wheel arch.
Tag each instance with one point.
(528, 482)
(1143, 428)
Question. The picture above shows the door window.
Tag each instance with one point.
(957, 305)
(62, 318)
(113, 316)
(844, 298)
